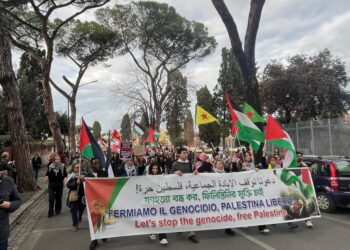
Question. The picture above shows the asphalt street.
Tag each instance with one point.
(38, 232)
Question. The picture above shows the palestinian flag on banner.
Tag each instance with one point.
(150, 137)
(137, 129)
(252, 114)
(105, 192)
(301, 178)
(277, 136)
(89, 146)
(203, 117)
(243, 128)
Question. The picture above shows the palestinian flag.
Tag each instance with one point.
(277, 136)
(89, 146)
(150, 137)
(252, 114)
(156, 136)
(203, 117)
(137, 129)
(103, 191)
(243, 128)
(301, 178)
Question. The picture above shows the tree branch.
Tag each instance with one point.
(59, 89)
(252, 30)
(236, 43)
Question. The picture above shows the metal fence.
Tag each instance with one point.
(322, 137)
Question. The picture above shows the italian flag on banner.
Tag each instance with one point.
(252, 114)
(103, 192)
(276, 135)
(244, 129)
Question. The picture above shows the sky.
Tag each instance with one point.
(287, 27)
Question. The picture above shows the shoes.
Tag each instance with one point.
(50, 215)
(265, 231)
(153, 236)
(75, 228)
(292, 226)
(193, 238)
(229, 231)
(58, 212)
(93, 245)
(309, 224)
(164, 242)
(104, 240)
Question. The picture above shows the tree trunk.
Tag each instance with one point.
(73, 118)
(13, 106)
(48, 102)
(158, 117)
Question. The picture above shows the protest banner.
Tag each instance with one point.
(126, 149)
(163, 204)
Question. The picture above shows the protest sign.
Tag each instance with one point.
(163, 204)
(126, 149)
(139, 150)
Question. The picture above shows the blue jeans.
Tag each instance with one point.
(77, 209)
(4, 245)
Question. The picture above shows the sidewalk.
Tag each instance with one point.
(29, 198)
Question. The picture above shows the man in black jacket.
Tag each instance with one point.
(9, 202)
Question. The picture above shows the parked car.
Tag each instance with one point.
(331, 177)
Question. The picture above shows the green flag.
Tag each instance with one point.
(252, 114)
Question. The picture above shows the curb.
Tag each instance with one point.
(15, 216)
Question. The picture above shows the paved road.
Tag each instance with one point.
(38, 232)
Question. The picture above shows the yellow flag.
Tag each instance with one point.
(203, 117)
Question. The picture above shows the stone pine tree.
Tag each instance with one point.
(96, 129)
(189, 129)
(209, 133)
(166, 42)
(33, 26)
(13, 106)
(125, 130)
(229, 81)
(177, 106)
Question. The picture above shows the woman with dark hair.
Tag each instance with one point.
(76, 193)
(155, 169)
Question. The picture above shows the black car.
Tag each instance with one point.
(331, 177)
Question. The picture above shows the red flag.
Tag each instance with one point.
(116, 135)
(274, 131)
(150, 136)
(234, 117)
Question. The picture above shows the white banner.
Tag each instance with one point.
(170, 203)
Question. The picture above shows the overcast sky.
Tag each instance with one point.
(287, 27)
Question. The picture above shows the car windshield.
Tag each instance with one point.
(343, 168)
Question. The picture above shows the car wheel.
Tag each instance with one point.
(325, 203)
